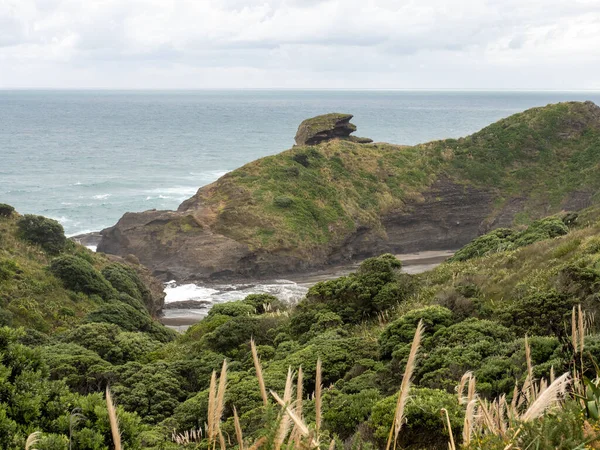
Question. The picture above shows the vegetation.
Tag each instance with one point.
(6, 210)
(47, 233)
(375, 356)
(311, 198)
(496, 348)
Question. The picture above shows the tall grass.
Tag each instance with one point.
(405, 387)
(497, 417)
(113, 420)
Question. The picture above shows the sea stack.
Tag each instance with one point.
(326, 127)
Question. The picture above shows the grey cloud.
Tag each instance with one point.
(303, 38)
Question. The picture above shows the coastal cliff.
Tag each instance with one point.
(344, 197)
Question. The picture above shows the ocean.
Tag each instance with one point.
(86, 157)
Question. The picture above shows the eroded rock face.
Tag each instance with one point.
(447, 217)
(226, 229)
(323, 128)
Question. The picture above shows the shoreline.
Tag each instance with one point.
(294, 287)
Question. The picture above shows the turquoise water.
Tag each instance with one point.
(86, 157)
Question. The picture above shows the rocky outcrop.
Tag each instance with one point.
(341, 200)
(323, 128)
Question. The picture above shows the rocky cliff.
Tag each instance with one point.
(340, 199)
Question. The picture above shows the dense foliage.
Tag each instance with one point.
(47, 233)
(476, 312)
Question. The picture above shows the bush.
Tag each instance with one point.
(263, 303)
(233, 309)
(125, 279)
(83, 370)
(494, 241)
(503, 239)
(424, 428)
(541, 313)
(6, 210)
(345, 412)
(283, 202)
(129, 319)
(578, 281)
(8, 269)
(548, 228)
(363, 294)
(152, 390)
(80, 276)
(402, 330)
(47, 233)
(232, 334)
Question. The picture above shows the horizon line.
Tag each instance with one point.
(167, 89)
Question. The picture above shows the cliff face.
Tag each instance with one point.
(341, 199)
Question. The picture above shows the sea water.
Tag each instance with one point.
(86, 157)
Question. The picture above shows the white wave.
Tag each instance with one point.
(184, 292)
(92, 247)
(101, 196)
(287, 291)
(158, 197)
(61, 219)
(175, 190)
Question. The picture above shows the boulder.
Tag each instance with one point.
(326, 127)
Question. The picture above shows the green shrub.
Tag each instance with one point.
(345, 412)
(359, 296)
(283, 201)
(503, 239)
(228, 337)
(263, 303)
(133, 302)
(580, 281)
(6, 210)
(423, 428)
(8, 269)
(130, 319)
(47, 233)
(539, 230)
(122, 279)
(402, 330)
(152, 390)
(494, 241)
(83, 370)
(541, 313)
(80, 276)
(6, 317)
(326, 320)
(233, 309)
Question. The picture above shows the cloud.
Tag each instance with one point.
(299, 43)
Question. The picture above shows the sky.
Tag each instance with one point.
(341, 44)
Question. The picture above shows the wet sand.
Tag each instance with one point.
(292, 289)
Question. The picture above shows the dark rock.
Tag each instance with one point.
(188, 304)
(208, 237)
(87, 239)
(326, 127)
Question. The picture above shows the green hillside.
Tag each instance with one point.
(309, 196)
(477, 310)
(50, 284)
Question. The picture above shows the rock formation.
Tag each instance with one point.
(323, 128)
(316, 205)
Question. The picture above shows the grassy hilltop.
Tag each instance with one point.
(309, 196)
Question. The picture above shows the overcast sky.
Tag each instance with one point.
(428, 44)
